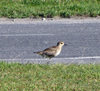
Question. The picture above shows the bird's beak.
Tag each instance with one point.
(65, 44)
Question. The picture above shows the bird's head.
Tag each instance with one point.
(61, 44)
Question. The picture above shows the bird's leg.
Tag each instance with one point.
(48, 62)
(43, 55)
(49, 59)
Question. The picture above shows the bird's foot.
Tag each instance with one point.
(48, 62)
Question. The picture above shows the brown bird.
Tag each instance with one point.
(52, 51)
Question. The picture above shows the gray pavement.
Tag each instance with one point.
(19, 39)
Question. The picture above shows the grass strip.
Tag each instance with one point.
(49, 8)
(58, 77)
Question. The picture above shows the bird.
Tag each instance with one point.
(52, 51)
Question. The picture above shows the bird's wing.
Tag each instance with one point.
(53, 48)
(50, 51)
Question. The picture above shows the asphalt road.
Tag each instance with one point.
(18, 41)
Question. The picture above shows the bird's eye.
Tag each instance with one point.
(61, 43)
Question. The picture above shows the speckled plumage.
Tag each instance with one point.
(51, 51)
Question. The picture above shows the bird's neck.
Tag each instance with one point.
(59, 46)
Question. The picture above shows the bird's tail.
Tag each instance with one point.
(40, 53)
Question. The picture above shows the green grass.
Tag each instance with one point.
(59, 77)
(49, 8)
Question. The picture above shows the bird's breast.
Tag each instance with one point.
(58, 52)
